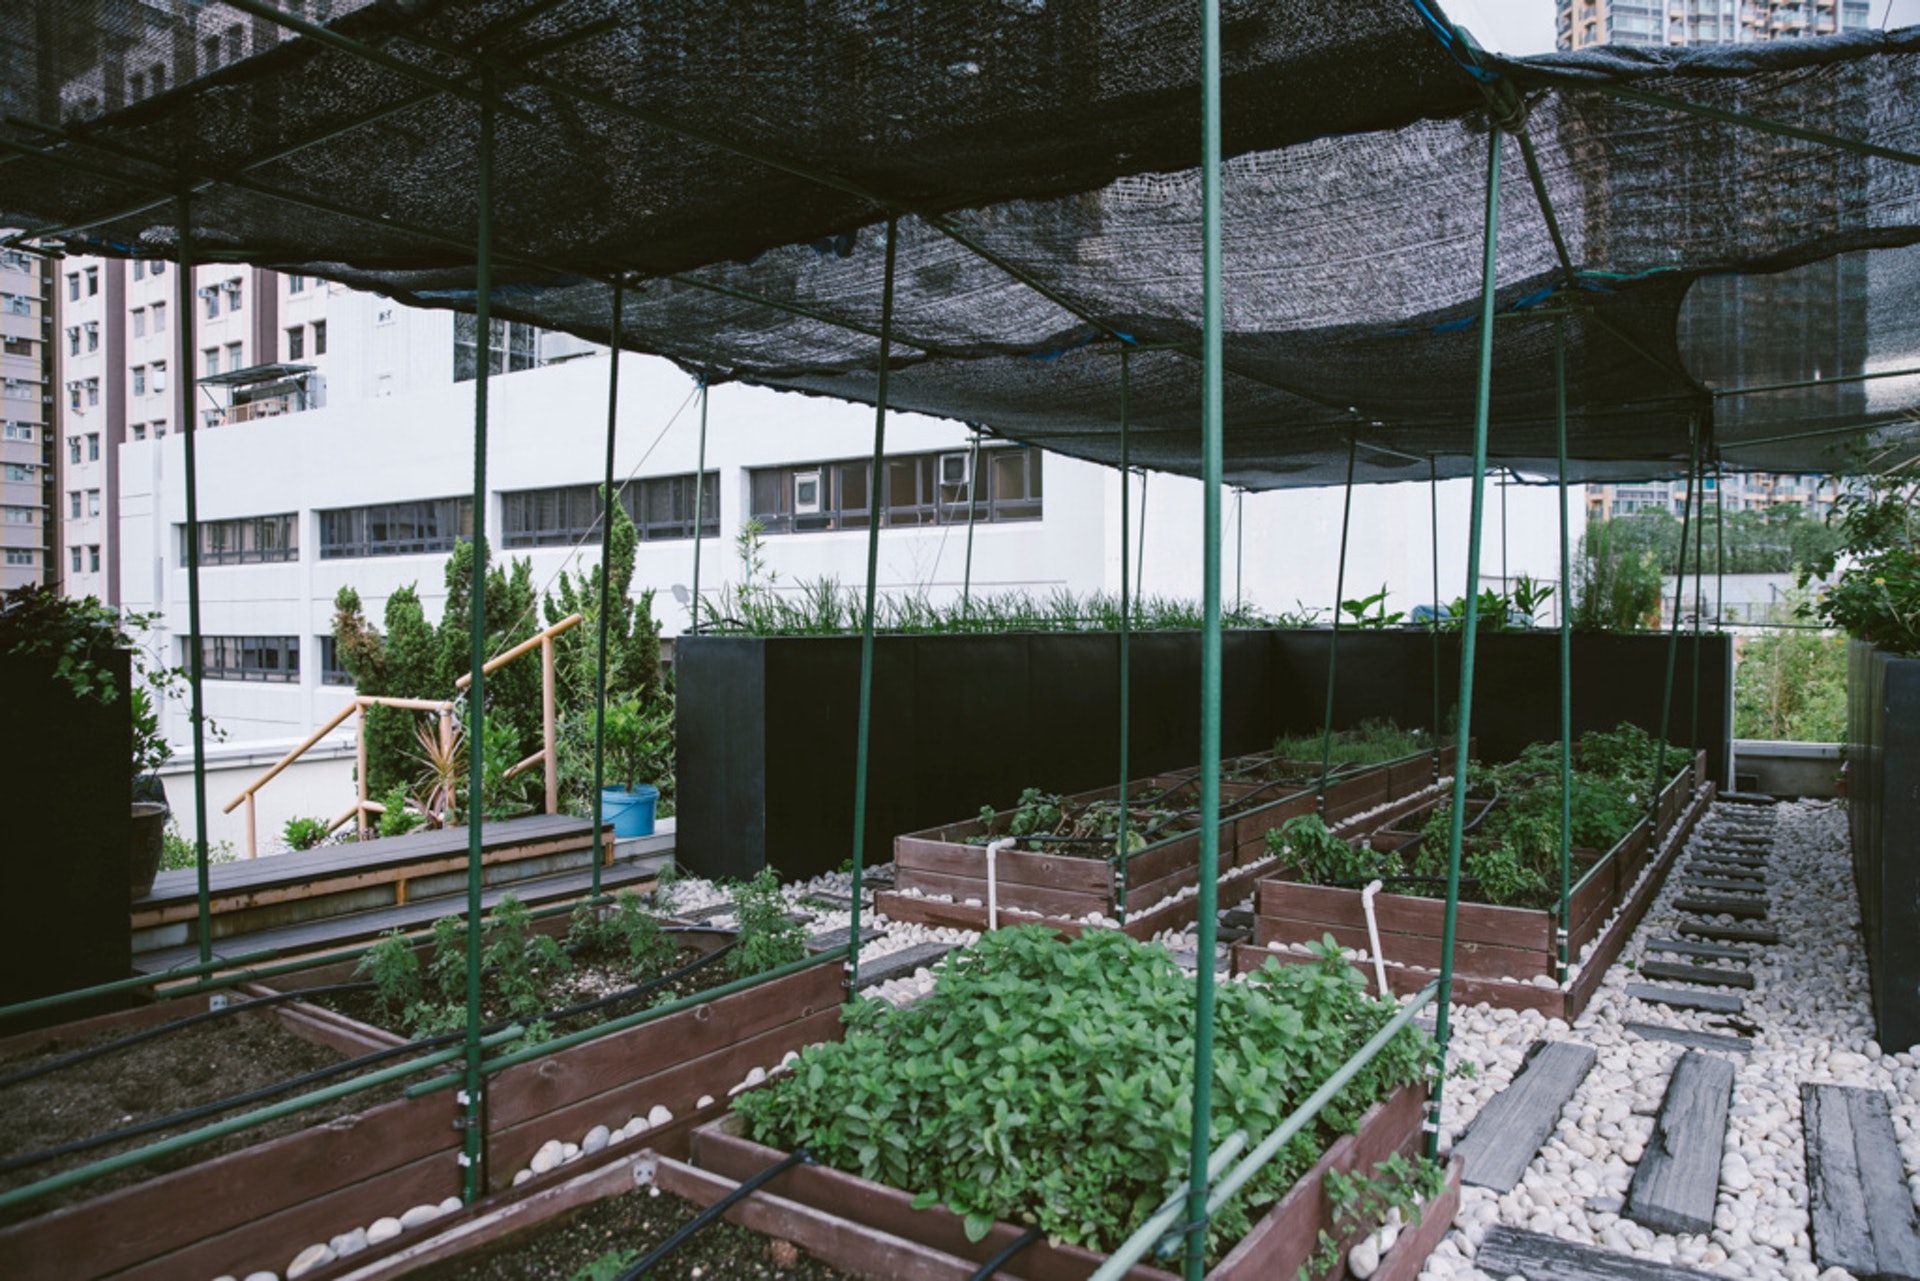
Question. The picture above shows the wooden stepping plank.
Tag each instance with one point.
(1678, 1179)
(1679, 999)
(1738, 908)
(1863, 1217)
(902, 963)
(1503, 1140)
(1691, 1039)
(1730, 933)
(839, 938)
(1719, 951)
(1749, 868)
(1709, 975)
(1725, 886)
(1759, 800)
(1509, 1252)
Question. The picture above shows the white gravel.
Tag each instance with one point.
(1810, 1001)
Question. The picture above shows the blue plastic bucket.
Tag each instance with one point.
(631, 813)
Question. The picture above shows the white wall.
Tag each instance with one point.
(318, 785)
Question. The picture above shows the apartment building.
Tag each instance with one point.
(1809, 493)
(1582, 24)
(29, 514)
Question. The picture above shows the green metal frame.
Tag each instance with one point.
(196, 658)
(1333, 642)
(699, 494)
(1563, 927)
(1122, 863)
(607, 499)
(1673, 633)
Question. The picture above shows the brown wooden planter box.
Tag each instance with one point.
(1060, 891)
(869, 1221)
(1499, 952)
(254, 1209)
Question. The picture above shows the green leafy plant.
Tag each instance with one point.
(1791, 684)
(394, 969)
(608, 1267)
(1048, 1081)
(399, 814)
(1358, 615)
(1876, 595)
(769, 938)
(1616, 583)
(624, 927)
(1052, 824)
(639, 743)
(519, 959)
(1318, 857)
(177, 852)
(1371, 742)
(304, 833)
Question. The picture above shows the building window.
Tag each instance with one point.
(139, 270)
(139, 384)
(18, 431)
(93, 502)
(22, 556)
(159, 268)
(209, 54)
(73, 449)
(19, 346)
(73, 286)
(331, 672)
(248, 658)
(920, 489)
(139, 431)
(93, 335)
(232, 290)
(19, 389)
(319, 337)
(661, 507)
(159, 309)
(159, 375)
(250, 540)
(139, 322)
(73, 557)
(93, 391)
(395, 529)
(21, 472)
(296, 283)
(211, 356)
(93, 560)
(22, 516)
(93, 446)
(73, 340)
(234, 358)
(74, 392)
(296, 342)
(93, 281)
(512, 346)
(17, 304)
(73, 504)
(211, 295)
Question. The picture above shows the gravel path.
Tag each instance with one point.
(1810, 1003)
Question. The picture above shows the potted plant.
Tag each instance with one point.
(150, 810)
(639, 745)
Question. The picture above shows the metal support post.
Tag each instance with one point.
(1566, 648)
(1123, 860)
(1470, 624)
(699, 494)
(874, 482)
(973, 505)
(1433, 624)
(1333, 641)
(1673, 636)
(607, 499)
(196, 656)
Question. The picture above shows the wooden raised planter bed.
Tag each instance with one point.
(256, 1208)
(1501, 954)
(861, 1226)
(1062, 891)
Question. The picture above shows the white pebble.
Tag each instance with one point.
(419, 1215)
(598, 1137)
(449, 1205)
(521, 1176)
(549, 1155)
(382, 1230)
(349, 1242)
(1364, 1259)
(704, 1101)
(307, 1260)
(658, 1116)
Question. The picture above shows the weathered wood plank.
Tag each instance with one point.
(1863, 1217)
(904, 962)
(1706, 975)
(1729, 933)
(1674, 1188)
(839, 938)
(1723, 885)
(1707, 1002)
(1503, 1139)
(1741, 909)
(1509, 1252)
(1691, 1039)
(1717, 951)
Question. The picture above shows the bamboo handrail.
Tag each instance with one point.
(532, 642)
(522, 767)
(333, 723)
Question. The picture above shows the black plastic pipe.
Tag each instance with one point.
(714, 1211)
(1005, 1256)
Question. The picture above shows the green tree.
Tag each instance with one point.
(1791, 685)
(1616, 579)
(512, 691)
(1876, 596)
(398, 664)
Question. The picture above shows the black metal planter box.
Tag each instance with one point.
(66, 789)
(1883, 810)
(767, 728)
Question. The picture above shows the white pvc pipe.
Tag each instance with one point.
(993, 884)
(1373, 934)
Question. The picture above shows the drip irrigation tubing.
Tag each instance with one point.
(1005, 1255)
(685, 1232)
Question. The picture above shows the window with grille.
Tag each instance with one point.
(395, 529)
(916, 489)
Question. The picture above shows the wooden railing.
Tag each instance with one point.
(364, 806)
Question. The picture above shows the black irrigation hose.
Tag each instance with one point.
(714, 1211)
(147, 1034)
(1005, 1256)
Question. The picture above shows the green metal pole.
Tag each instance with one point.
(1140, 550)
(1720, 545)
(1126, 632)
(1471, 625)
(196, 658)
(473, 1181)
(1333, 642)
(973, 495)
(1566, 646)
(874, 482)
(1212, 464)
(1699, 602)
(607, 499)
(699, 496)
(1433, 624)
(1673, 636)
(1239, 550)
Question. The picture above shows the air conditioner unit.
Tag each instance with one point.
(806, 493)
(955, 469)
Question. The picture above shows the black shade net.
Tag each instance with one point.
(737, 164)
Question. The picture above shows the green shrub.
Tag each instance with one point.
(768, 937)
(304, 833)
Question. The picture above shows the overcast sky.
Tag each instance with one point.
(1526, 26)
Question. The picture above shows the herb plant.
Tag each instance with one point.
(1049, 1081)
(304, 833)
(768, 937)
(624, 928)
(1371, 742)
(1052, 824)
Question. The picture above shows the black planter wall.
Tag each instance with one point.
(66, 789)
(1883, 810)
(767, 728)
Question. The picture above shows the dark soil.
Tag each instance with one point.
(201, 1064)
(626, 1227)
(592, 976)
